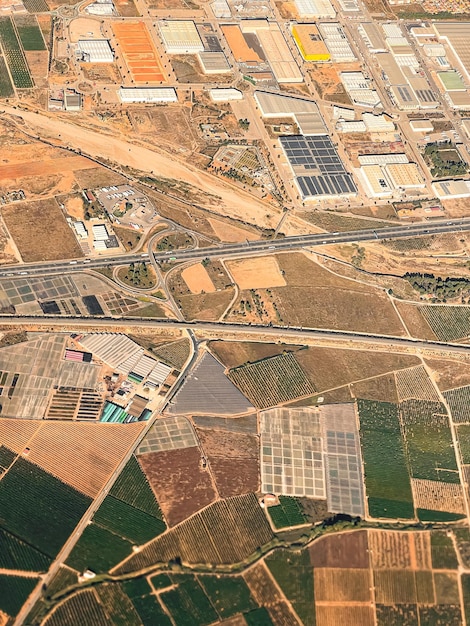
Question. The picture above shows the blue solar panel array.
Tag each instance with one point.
(318, 169)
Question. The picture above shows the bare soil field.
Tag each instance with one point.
(382, 389)
(399, 550)
(15, 434)
(229, 233)
(180, 484)
(342, 585)
(101, 72)
(205, 307)
(74, 206)
(44, 167)
(40, 231)
(329, 367)
(350, 614)
(235, 353)
(449, 374)
(126, 8)
(197, 279)
(414, 321)
(38, 63)
(347, 550)
(98, 177)
(234, 460)
(436, 496)
(257, 272)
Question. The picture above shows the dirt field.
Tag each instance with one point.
(74, 206)
(328, 367)
(382, 388)
(352, 615)
(126, 8)
(44, 167)
(414, 321)
(233, 459)
(98, 177)
(197, 279)
(230, 233)
(40, 231)
(342, 585)
(38, 63)
(256, 273)
(181, 486)
(139, 52)
(235, 353)
(449, 374)
(101, 72)
(348, 550)
(205, 307)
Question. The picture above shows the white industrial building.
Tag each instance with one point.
(378, 123)
(95, 51)
(101, 7)
(100, 232)
(147, 95)
(359, 89)
(180, 37)
(213, 62)
(225, 94)
(221, 10)
(337, 43)
(375, 181)
(315, 8)
(80, 229)
(351, 126)
(448, 189)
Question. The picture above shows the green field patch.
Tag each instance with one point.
(446, 615)
(294, 575)
(137, 587)
(287, 513)
(128, 522)
(14, 55)
(448, 322)
(16, 554)
(118, 606)
(14, 591)
(425, 515)
(6, 457)
(39, 508)
(151, 612)
(463, 434)
(229, 595)
(442, 551)
(160, 581)
(29, 32)
(258, 617)
(188, 604)
(429, 441)
(385, 467)
(99, 550)
(459, 405)
(64, 577)
(36, 6)
(401, 615)
(465, 579)
(133, 488)
(6, 86)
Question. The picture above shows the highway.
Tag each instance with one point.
(245, 248)
(297, 334)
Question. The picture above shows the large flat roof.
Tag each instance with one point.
(305, 112)
(457, 37)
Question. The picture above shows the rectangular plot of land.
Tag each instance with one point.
(437, 496)
(139, 51)
(415, 383)
(272, 381)
(447, 589)
(459, 404)
(394, 587)
(352, 615)
(197, 279)
(341, 550)
(291, 453)
(389, 549)
(169, 433)
(257, 273)
(424, 587)
(342, 585)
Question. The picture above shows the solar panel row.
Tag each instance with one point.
(326, 185)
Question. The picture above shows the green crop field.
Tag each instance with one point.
(387, 480)
(133, 488)
(14, 55)
(65, 577)
(29, 32)
(258, 617)
(151, 612)
(18, 555)
(447, 615)
(82, 608)
(294, 575)
(429, 441)
(448, 322)
(36, 6)
(272, 381)
(465, 578)
(128, 522)
(426, 515)
(161, 581)
(229, 595)
(13, 592)
(6, 457)
(6, 88)
(463, 434)
(98, 549)
(139, 587)
(39, 508)
(188, 604)
(287, 513)
(118, 606)
(442, 551)
(459, 404)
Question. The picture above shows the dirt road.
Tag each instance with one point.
(233, 202)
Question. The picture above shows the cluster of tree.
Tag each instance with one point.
(449, 167)
(244, 124)
(440, 289)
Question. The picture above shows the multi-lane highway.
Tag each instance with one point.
(245, 248)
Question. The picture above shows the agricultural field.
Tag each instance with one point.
(448, 322)
(287, 513)
(98, 549)
(133, 488)
(414, 383)
(459, 404)
(38, 508)
(14, 55)
(19, 555)
(388, 486)
(235, 353)
(84, 608)
(29, 32)
(272, 381)
(266, 593)
(6, 88)
(14, 592)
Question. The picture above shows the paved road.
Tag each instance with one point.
(221, 328)
(245, 248)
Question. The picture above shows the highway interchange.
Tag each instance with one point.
(239, 249)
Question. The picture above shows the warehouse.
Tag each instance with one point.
(358, 87)
(225, 94)
(95, 51)
(372, 37)
(378, 123)
(304, 112)
(459, 100)
(241, 50)
(317, 168)
(147, 95)
(213, 62)
(382, 159)
(456, 36)
(405, 176)
(421, 126)
(275, 48)
(448, 189)
(337, 42)
(314, 8)
(375, 181)
(180, 37)
(309, 42)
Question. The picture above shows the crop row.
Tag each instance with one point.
(287, 513)
(14, 55)
(448, 322)
(14, 591)
(459, 404)
(133, 488)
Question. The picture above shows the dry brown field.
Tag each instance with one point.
(437, 496)
(256, 273)
(233, 459)
(126, 8)
(230, 233)
(447, 589)
(342, 585)
(139, 52)
(449, 374)
(179, 482)
(329, 367)
(352, 615)
(197, 279)
(101, 72)
(414, 321)
(82, 455)
(348, 550)
(400, 550)
(267, 594)
(38, 63)
(98, 177)
(382, 388)
(15, 434)
(414, 382)
(44, 167)
(40, 231)
(235, 353)
(394, 586)
(205, 307)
